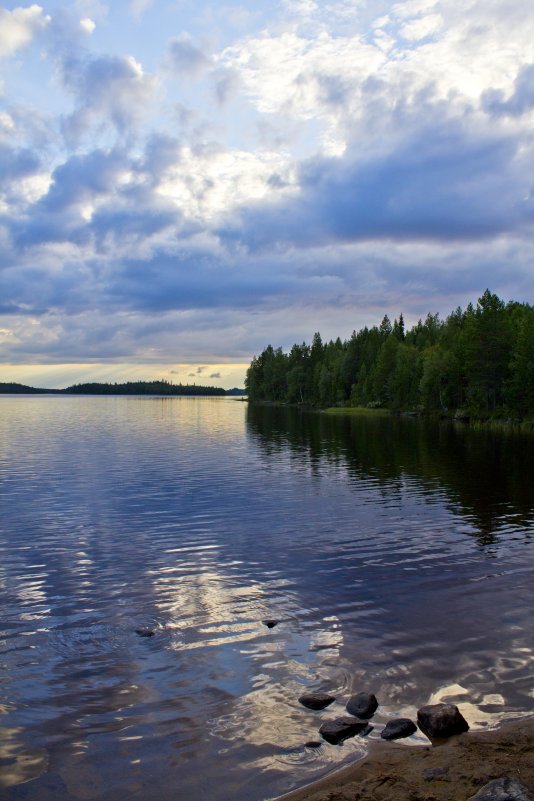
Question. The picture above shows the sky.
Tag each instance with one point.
(183, 183)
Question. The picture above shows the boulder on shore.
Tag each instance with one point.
(339, 729)
(441, 720)
(504, 789)
(398, 728)
(316, 700)
(362, 705)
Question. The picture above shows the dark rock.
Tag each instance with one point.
(316, 700)
(145, 632)
(362, 705)
(441, 720)
(504, 789)
(313, 744)
(364, 732)
(400, 727)
(270, 623)
(436, 774)
(339, 729)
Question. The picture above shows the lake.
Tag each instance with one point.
(396, 554)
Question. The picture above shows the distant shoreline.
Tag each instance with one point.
(159, 388)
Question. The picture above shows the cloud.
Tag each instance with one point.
(18, 27)
(185, 58)
(521, 101)
(107, 89)
(139, 7)
(215, 375)
(445, 181)
(17, 163)
(87, 25)
(325, 166)
(227, 84)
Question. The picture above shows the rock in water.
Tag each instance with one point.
(362, 705)
(504, 789)
(270, 623)
(400, 727)
(316, 700)
(339, 729)
(313, 744)
(441, 720)
(145, 632)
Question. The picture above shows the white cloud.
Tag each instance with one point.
(7, 124)
(139, 7)
(413, 8)
(208, 183)
(18, 27)
(87, 25)
(421, 28)
(281, 72)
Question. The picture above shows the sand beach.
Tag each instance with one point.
(452, 771)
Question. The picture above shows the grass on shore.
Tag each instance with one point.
(356, 410)
(475, 424)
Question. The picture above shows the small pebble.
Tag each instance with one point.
(436, 774)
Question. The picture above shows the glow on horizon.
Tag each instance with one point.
(59, 376)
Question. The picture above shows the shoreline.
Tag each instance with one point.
(452, 771)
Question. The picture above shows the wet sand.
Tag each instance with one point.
(453, 771)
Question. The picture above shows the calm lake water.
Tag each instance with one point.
(398, 557)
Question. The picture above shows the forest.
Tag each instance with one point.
(476, 362)
(162, 387)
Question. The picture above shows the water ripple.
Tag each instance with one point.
(390, 561)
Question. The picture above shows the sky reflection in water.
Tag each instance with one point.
(396, 555)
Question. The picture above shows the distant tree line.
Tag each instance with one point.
(163, 387)
(129, 388)
(479, 361)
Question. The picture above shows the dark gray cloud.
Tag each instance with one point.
(107, 90)
(17, 163)
(445, 182)
(521, 101)
(84, 177)
(100, 198)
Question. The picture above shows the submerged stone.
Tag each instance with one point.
(313, 744)
(316, 700)
(436, 774)
(362, 705)
(398, 728)
(504, 789)
(339, 729)
(441, 720)
(145, 632)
